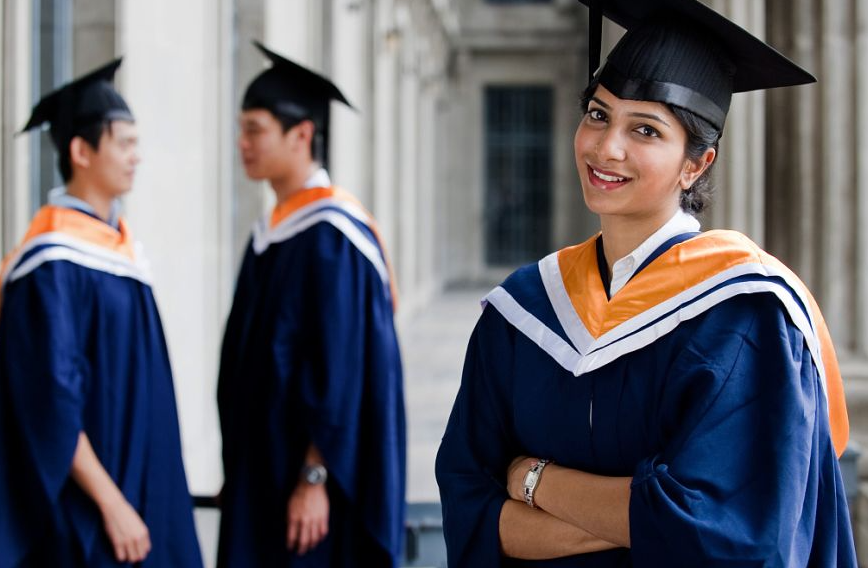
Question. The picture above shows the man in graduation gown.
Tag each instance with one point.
(310, 388)
(680, 406)
(90, 455)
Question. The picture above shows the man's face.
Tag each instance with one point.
(266, 150)
(113, 164)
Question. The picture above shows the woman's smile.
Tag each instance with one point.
(606, 180)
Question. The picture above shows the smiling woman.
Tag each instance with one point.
(700, 145)
(605, 385)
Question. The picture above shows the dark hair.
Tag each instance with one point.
(701, 135)
(90, 134)
(287, 122)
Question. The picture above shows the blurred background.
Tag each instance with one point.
(462, 149)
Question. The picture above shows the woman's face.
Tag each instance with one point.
(631, 159)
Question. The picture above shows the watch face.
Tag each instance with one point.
(315, 474)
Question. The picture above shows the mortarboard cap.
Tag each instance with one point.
(683, 53)
(290, 89)
(79, 104)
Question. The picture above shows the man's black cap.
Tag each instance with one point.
(289, 89)
(79, 104)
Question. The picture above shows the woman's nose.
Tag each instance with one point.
(610, 146)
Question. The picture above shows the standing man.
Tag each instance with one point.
(90, 453)
(310, 389)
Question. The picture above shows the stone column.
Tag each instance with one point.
(175, 80)
(836, 110)
(407, 161)
(861, 164)
(15, 81)
(251, 198)
(739, 172)
(428, 209)
(387, 42)
(817, 158)
(295, 29)
(798, 154)
(351, 154)
(434, 135)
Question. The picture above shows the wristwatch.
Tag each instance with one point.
(531, 481)
(314, 474)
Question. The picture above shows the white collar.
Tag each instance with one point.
(625, 267)
(319, 178)
(59, 197)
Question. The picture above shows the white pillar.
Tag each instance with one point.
(739, 202)
(386, 45)
(408, 187)
(174, 78)
(838, 179)
(351, 153)
(861, 164)
(461, 187)
(294, 29)
(572, 221)
(807, 186)
(15, 163)
(427, 210)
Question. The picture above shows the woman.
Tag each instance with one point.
(655, 396)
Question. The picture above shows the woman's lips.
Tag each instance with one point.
(606, 180)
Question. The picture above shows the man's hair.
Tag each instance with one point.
(287, 122)
(90, 134)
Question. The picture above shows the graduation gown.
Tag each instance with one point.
(82, 349)
(310, 355)
(709, 379)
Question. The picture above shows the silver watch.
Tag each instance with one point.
(314, 474)
(531, 481)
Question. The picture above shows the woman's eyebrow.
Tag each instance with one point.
(601, 103)
(649, 117)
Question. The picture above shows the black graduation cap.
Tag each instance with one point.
(683, 53)
(294, 91)
(79, 104)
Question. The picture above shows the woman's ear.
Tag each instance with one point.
(694, 168)
(79, 152)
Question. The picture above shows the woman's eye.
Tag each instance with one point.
(648, 131)
(596, 114)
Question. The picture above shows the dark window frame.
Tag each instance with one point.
(52, 41)
(518, 137)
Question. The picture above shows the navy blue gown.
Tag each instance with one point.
(82, 349)
(719, 416)
(310, 355)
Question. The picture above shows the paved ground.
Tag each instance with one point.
(433, 345)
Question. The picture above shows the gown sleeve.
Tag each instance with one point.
(747, 475)
(43, 388)
(351, 384)
(477, 448)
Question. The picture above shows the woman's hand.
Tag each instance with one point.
(307, 517)
(515, 476)
(126, 531)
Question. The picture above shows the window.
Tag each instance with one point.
(52, 54)
(518, 173)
